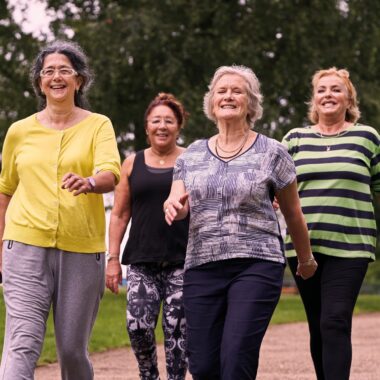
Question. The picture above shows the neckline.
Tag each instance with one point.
(339, 134)
(153, 170)
(156, 167)
(233, 158)
(237, 151)
(61, 130)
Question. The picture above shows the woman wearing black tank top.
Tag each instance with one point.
(155, 252)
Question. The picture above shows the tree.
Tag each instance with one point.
(16, 52)
(140, 47)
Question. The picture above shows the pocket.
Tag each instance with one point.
(100, 257)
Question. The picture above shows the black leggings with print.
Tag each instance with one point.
(148, 286)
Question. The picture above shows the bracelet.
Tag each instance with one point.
(308, 262)
(91, 181)
(113, 258)
(110, 257)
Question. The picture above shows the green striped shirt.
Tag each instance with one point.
(336, 177)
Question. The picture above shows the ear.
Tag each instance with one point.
(79, 83)
(40, 86)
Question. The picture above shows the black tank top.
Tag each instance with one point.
(151, 239)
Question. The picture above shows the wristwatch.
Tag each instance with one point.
(92, 183)
(110, 257)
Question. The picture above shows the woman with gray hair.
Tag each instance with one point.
(56, 164)
(234, 261)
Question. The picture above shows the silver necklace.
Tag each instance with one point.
(327, 137)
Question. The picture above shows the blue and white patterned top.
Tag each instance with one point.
(231, 212)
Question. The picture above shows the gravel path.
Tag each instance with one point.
(284, 355)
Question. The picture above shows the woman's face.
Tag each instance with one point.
(59, 80)
(162, 127)
(331, 97)
(230, 99)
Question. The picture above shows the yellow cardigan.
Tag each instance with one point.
(34, 160)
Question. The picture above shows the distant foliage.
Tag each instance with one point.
(16, 50)
(140, 47)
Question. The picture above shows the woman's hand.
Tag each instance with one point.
(275, 204)
(113, 276)
(306, 269)
(173, 206)
(74, 182)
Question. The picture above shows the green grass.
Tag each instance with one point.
(290, 308)
(109, 330)
(372, 277)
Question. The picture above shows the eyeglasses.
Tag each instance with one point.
(62, 71)
(158, 121)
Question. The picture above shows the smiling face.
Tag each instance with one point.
(330, 97)
(59, 88)
(230, 100)
(162, 127)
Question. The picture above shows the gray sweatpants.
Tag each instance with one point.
(34, 278)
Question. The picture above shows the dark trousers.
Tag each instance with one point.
(329, 298)
(228, 306)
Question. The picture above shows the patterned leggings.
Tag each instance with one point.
(148, 285)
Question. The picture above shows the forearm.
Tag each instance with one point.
(300, 237)
(4, 202)
(117, 228)
(297, 228)
(105, 182)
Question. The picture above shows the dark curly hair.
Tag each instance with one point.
(79, 61)
(169, 100)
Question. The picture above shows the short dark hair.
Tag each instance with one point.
(168, 100)
(79, 61)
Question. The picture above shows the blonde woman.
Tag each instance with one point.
(338, 168)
